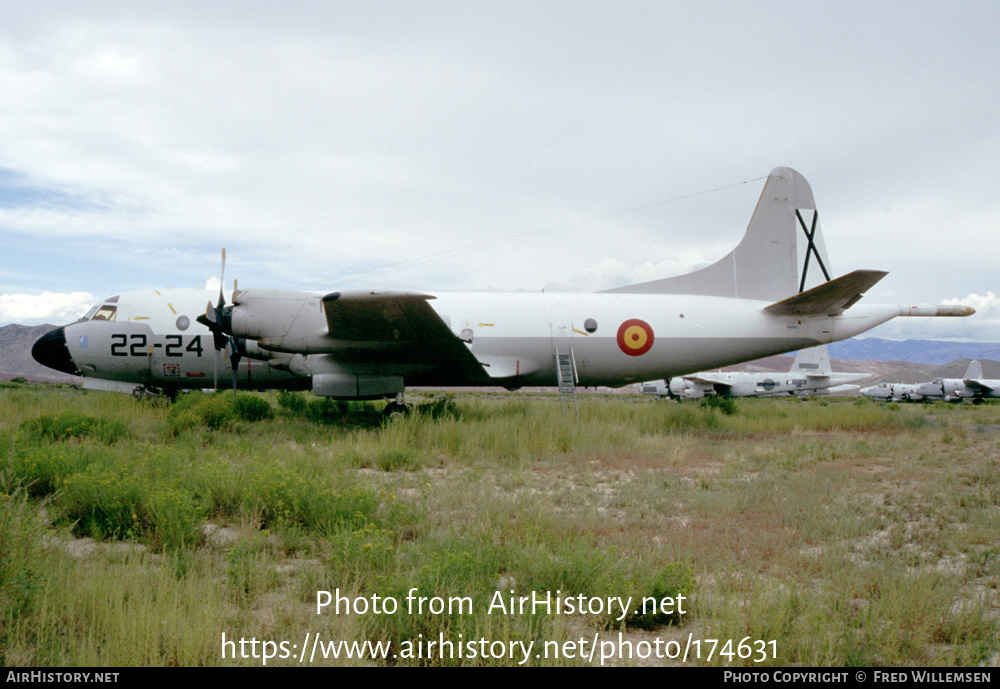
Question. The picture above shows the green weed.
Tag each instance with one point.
(71, 424)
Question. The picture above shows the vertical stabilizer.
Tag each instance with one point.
(815, 360)
(781, 254)
(975, 371)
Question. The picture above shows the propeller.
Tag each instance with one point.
(219, 320)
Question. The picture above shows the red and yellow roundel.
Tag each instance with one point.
(635, 337)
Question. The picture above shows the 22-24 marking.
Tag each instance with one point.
(136, 345)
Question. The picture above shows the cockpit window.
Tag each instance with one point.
(106, 311)
(90, 314)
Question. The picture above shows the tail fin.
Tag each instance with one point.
(813, 361)
(782, 252)
(975, 371)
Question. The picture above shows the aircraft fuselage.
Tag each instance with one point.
(615, 339)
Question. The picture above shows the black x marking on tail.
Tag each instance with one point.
(811, 249)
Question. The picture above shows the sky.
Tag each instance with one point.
(472, 146)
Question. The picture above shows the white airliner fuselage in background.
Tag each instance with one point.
(772, 294)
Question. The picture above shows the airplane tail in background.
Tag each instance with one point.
(975, 371)
(813, 361)
(781, 254)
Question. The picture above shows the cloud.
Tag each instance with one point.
(987, 316)
(343, 138)
(47, 307)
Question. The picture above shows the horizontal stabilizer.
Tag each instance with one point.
(830, 298)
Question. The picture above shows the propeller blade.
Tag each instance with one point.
(211, 319)
(222, 280)
(208, 318)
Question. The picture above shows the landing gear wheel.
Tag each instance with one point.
(395, 410)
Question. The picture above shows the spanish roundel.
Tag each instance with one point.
(635, 337)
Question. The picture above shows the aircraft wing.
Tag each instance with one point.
(835, 377)
(395, 326)
(702, 379)
(830, 298)
(979, 386)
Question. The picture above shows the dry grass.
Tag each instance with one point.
(846, 534)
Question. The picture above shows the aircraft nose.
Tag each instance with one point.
(50, 350)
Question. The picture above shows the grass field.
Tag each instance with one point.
(776, 532)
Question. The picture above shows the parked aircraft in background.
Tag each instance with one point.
(893, 392)
(972, 387)
(773, 293)
(810, 374)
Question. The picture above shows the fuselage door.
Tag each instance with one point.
(562, 328)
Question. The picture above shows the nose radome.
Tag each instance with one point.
(50, 350)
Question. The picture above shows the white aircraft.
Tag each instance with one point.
(972, 387)
(894, 392)
(772, 294)
(810, 374)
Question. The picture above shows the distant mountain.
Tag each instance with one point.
(15, 354)
(931, 352)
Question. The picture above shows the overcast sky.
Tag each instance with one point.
(570, 146)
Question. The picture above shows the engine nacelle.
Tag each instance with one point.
(954, 388)
(251, 350)
(681, 388)
(280, 320)
(931, 389)
(689, 390)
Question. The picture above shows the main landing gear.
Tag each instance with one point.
(397, 408)
(143, 392)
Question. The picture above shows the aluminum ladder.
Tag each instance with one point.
(566, 374)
